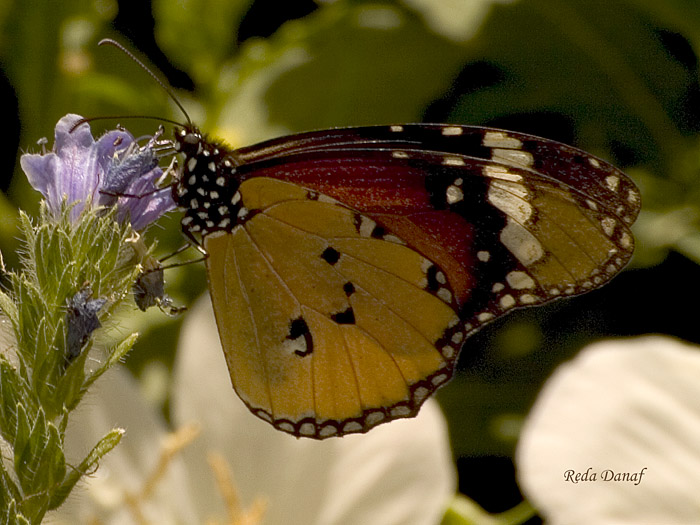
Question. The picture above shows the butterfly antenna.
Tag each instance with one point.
(86, 120)
(171, 94)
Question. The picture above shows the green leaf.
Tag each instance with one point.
(39, 460)
(603, 68)
(70, 388)
(28, 453)
(8, 307)
(48, 366)
(455, 20)
(24, 445)
(30, 315)
(464, 511)
(210, 39)
(54, 258)
(34, 507)
(343, 65)
(115, 356)
(22, 430)
(9, 492)
(75, 382)
(86, 466)
(13, 390)
(13, 516)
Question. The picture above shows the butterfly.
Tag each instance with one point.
(347, 267)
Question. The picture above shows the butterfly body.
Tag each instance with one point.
(347, 267)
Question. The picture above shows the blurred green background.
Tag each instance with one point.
(619, 79)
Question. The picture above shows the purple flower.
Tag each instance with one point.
(113, 170)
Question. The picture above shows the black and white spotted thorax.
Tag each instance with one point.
(206, 184)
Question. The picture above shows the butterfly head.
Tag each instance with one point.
(189, 141)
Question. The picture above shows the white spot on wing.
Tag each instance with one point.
(393, 238)
(445, 295)
(326, 198)
(519, 280)
(513, 156)
(527, 298)
(452, 131)
(500, 139)
(613, 182)
(626, 240)
(507, 301)
(521, 243)
(453, 161)
(485, 316)
(454, 194)
(608, 224)
(366, 227)
(290, 346)
(509, 197)
(632, 197)
(501, 172)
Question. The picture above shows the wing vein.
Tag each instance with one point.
(255, 325)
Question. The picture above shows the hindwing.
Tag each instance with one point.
(326, 328)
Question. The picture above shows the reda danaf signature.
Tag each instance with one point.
(573, 476)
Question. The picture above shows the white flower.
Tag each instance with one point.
(399, 473)
(614, 437)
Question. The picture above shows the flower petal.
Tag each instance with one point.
(68, 172)
(627, 414)
(399, 473)
(45, 172)
(75, 177)
(82, 169)
(134, 172)
(149, 208)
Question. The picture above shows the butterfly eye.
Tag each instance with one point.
(191, 139)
